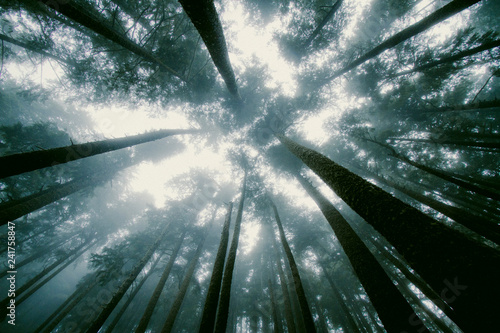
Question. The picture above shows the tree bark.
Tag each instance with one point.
(176, 305)
(225, 293)
(299, 289)
(148, 312)
(93, 22)
(392, 308)
(458, 56)
(117, 296)
(460, 269)
(212, 300)
(450, 9)
(203, 15)
(19, 163)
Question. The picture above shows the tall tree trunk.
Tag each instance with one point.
(299, 289)
(480, 144)
(450, 9)
(225, 293)
(321, 25)
(482, 226)
(470, 107)
(148, 312)
(118, 316)
(19, 163)
(205, 19)
(276, 323)
(392, 307)
(176, 305)
(460, 269)
(212, 299)
(93, 22)
(33, 49)
(36, 201)
(483, 47)
(122, 289)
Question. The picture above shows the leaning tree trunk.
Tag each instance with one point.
(19, 163)
(91, 20)
(176, 305)
(122, 289)
(299, 289)
(472, 106)
(480, 144)
(322, 24)
(212, 300)
(33, 49)
(148, 312)
(458, 56)
(391, 305)
(225, 293)
(205, 19)
(452, 8)
(463, 271)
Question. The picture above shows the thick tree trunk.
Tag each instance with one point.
(19, 163)
(176, 305)
(33, 49)
(117, 296)
(391, 306)
(205, 19)
(39, 200)
(118, 316)
(458, 56)
(225, 293)
(460, 269)
(93, 22)
(299, 289)
(212, 300)
(148, 312)
(452, 8)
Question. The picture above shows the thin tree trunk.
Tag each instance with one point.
(148, 312)
(392, 308)
(276, 323)
(117, 296)
(299, 289)
(212, 299)
(450, 9)
(470, 107)
(19, 163)
(33, 49)
(452, 142)
(176, 305)
(322, 24)
(458, 56)
(203, 15)
(93, 22)
(118, 316)
(460, 269)
(225, 293)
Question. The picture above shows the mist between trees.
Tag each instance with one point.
(249, 166)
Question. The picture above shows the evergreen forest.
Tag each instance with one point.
(250, 166)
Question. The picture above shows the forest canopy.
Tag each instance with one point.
(249, 166)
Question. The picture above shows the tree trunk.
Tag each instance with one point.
(33, 49)
(392, 308)
(203, 15)
(460, 269)
(453, 142)
(299, 289)
(93, 22)
(225, 293)
(19, 163)
(470, 107)
(117, 296)
(34, 202)
(143, 323)
(176, 305)
(321, 25)
(118, 316)
(458, 56)
(212, 299)
(452, 8)
(276, 323)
